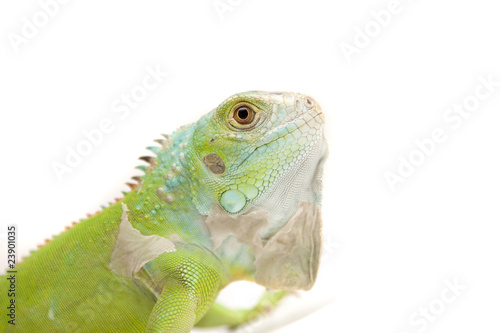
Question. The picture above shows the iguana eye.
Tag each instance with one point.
(244, 115)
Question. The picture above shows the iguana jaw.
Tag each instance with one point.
(312, 196)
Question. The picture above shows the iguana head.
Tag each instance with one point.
(257, 142)
(257, 160)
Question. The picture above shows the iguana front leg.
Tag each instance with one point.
(175, 310)
(186, 283)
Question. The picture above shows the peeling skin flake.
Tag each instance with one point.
(244, 227)
(289, 259)
(133, 250)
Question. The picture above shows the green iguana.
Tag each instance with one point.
(234, 196)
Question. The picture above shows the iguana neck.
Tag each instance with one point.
(162, 204)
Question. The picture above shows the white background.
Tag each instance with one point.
(388, 253)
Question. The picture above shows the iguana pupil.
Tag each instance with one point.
(243, 113)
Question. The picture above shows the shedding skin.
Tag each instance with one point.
(133, 250)
(234, 196)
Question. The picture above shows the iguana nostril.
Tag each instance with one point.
(309, 102)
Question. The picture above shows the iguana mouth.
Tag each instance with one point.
(314, 114)
(303, 120)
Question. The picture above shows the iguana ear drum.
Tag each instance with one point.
(214, 163)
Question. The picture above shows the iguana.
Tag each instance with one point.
(234, 196)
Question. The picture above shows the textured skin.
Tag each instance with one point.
(214, 166)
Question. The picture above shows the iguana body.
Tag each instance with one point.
(233, 196)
